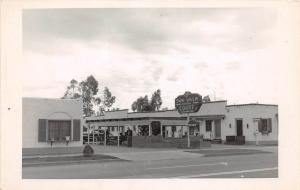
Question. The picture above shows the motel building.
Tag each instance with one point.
(215, 122)
(60, 123)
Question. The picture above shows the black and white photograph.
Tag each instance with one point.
(162, 96)
(149, 93)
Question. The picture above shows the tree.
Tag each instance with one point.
(108, 99)
(115, 109)
(156, 100)
(143, 103)
(87, 90)
(134, 106)
(73, 90)
(206, 98)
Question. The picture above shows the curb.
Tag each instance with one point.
(71, 162)
(52, 156)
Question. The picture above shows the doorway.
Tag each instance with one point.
(239, 127)
(156, 127)
(218, 129)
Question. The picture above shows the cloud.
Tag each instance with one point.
(200, 66)
(233, 65)
(157, 72)
(176, 73)
(136, 51)
(86, 25)
(173, 77)
(149, 30)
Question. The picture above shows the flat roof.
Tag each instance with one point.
(167, 114)
(54, 99)
(251, 104)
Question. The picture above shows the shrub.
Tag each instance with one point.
(88, 150)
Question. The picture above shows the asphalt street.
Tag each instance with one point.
(261, 165)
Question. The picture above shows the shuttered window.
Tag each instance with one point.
(59, 129)
(42, 130)
(76, 130)
(269, 124)
(265, 126)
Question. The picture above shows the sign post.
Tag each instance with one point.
(188, 103)
(188, 135)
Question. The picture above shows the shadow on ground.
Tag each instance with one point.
(227, 152)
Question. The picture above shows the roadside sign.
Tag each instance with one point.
(188, 102)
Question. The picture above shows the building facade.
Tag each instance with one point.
(257, 122)
(216, 121)
(51, 122)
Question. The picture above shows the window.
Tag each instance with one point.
(208, 125)
(173, 129)
(59, 129)
(265, 126)
(192, 129)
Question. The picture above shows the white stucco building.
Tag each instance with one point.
(217, 121)
(57, 120)
(254, 121)
(59, 123)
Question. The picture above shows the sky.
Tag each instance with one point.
(228, 54)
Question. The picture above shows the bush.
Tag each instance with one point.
(88, 150)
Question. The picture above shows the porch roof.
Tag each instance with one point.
(207, 110)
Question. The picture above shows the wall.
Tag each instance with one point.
(41, 108)
(211, 108)
(159, 142)
(248, 113)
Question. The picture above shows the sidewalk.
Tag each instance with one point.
(155, 155)
(268, 148)
(73, 151)
(130, 153)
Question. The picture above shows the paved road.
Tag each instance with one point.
(196, 166)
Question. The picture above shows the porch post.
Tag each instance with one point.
(188, 131)
(105, 136)
(88, 133)
(149, 126)
(212, 130)
(118, 130)
(93, 133)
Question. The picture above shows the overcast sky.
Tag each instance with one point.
(229, 54)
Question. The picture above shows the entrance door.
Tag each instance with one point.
(239, 127)
(218, 129)
(155, 126)
(164, 131)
